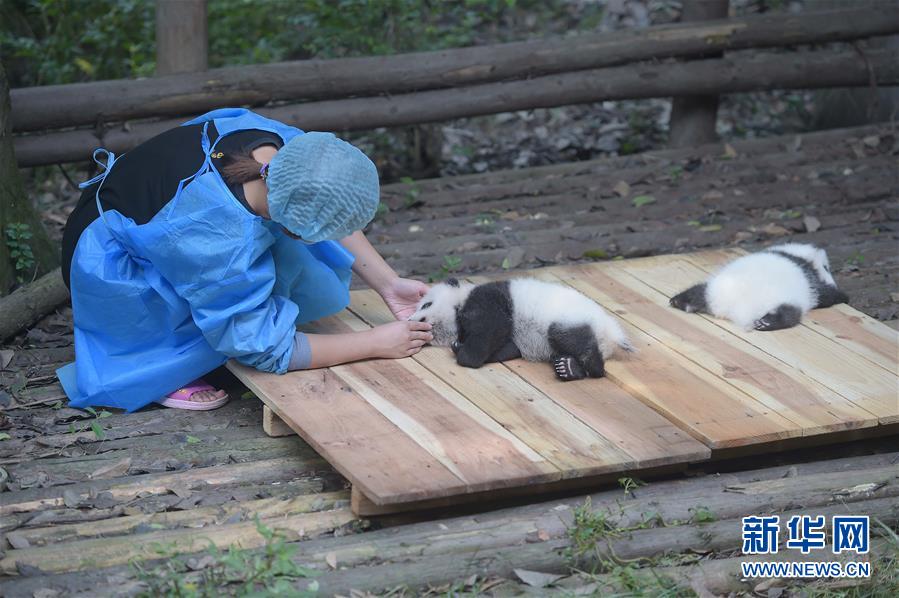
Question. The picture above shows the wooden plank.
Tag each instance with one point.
(757, 378)
(870, 338)
(649, 438)
(671, 384)
(571, 445)
(467, 441)
(273, 425)
(353, 436)
(861, 384)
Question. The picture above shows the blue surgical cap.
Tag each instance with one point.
(321, 187)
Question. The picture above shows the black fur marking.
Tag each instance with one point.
(785, 316)
(484, 324)
(452, 282)
(577, 342)
(508, 352)
(567, 368)
(827, 294)
(691, 300)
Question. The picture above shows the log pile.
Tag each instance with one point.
(363, 93)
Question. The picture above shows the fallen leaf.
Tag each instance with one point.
(17, 540)
(596, 254)
(415, 228)
(193, 440)
(622, 189)
(180, 491)
(894, 297)
(471, 581)
(642, 200)
(729, 152)
(5, 357)
(117, 469)
(4, 436)
(742, 236)
(811, 224)
(71, 499)
(537, 579)
(543, 535)
(331, 559)
(871, 140)
(775, 230)
(510, 215)
(710, 228)
(514, 259)
(713, 194)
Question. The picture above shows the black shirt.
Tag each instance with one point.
(146, 178)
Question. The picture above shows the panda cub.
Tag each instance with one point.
(522, 317)
(768, 290)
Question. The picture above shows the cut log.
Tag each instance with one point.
(38, 108)
(693, 117)
(724, 75)
(28, 304)
(511, 537)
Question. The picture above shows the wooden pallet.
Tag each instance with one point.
(423, 432)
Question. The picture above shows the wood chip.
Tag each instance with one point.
(729, 151)
(5, 357)
(775, 230)
(712, 195)
(871, 140)
(17, 540)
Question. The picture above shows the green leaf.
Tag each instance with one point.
(694, 223)
(596, 254)
(642, 200)
(506, 264)
(248, 395)
(710, 228)
(193, 440)
(4, 436)
(98, 430)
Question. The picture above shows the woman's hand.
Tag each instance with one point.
(399, 339)
(402, 295)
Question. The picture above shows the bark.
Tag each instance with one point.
(38, 108)
(28, 304)
(181, 38)
(724, 75)
(15, 208)
(693, 117)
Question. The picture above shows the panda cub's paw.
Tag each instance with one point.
(567, 368)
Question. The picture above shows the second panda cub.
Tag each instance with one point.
(768, 290)
(522, 317)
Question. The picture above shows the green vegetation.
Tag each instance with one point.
(17, 237)
(64, 41)
(233, 572)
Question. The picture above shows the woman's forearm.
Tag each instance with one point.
(369, 265)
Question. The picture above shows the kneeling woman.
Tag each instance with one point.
(213, 241)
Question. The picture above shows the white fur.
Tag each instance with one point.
(751, 286)
(536, 305)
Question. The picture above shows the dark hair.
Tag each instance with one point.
(240, 168)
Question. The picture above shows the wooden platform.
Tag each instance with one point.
(406, 432)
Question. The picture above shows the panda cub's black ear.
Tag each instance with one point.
(452, 282)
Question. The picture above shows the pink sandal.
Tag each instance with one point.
(180, 399)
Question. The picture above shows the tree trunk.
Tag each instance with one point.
(16, 209)
(693, 117)
(181, 38)
(761, 71)
(55, 106)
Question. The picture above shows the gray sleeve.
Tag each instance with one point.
(302, 353)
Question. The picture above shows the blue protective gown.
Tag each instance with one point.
(158, 305)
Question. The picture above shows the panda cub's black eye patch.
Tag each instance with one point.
(427, 305)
